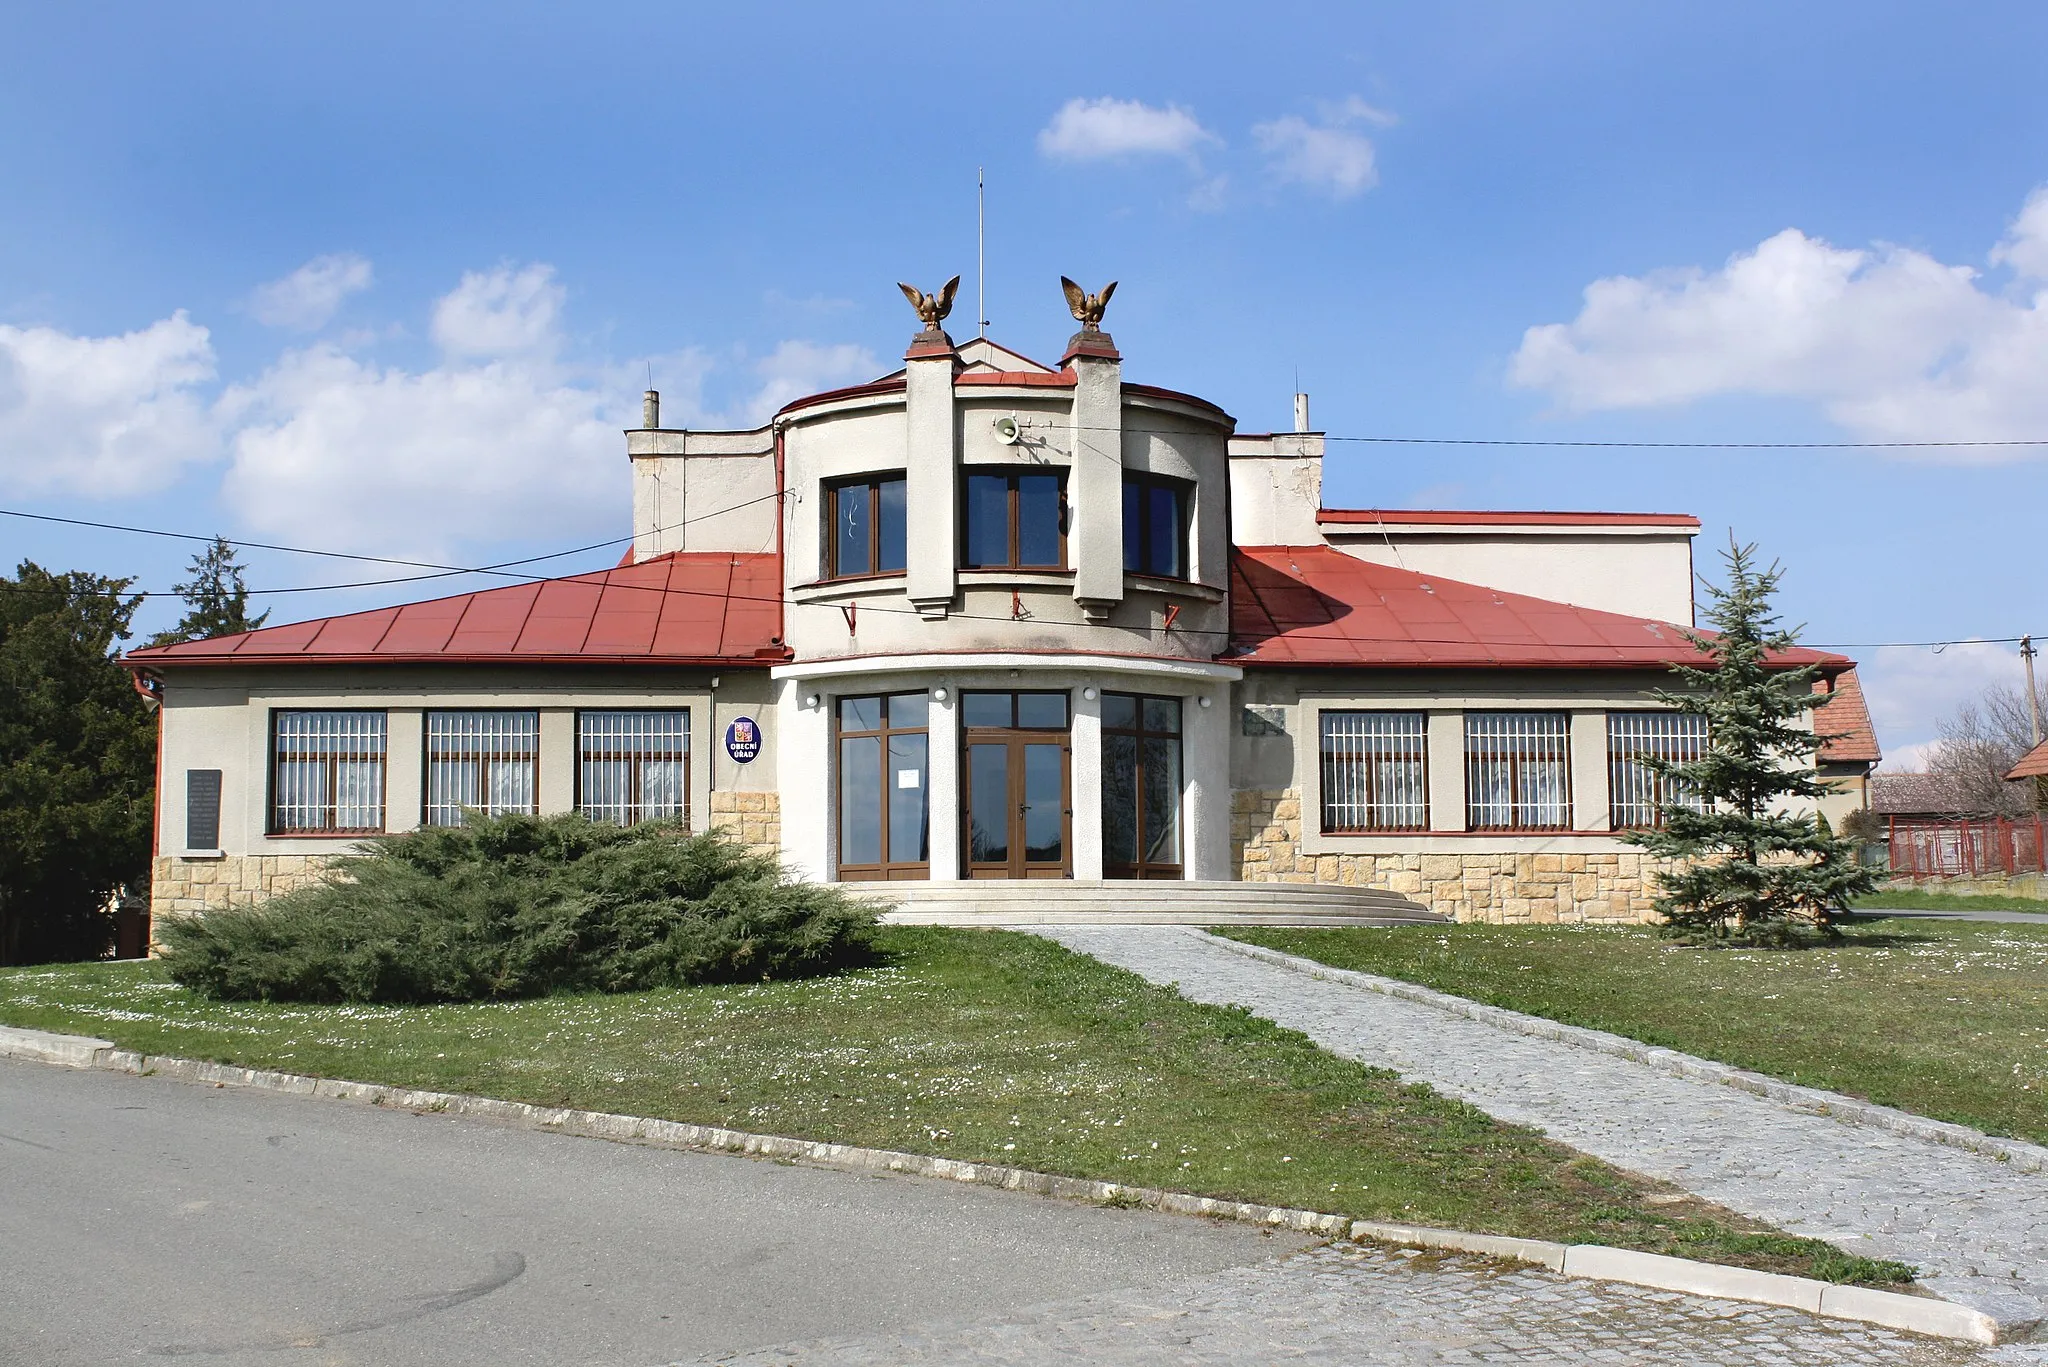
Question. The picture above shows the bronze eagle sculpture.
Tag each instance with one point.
(933, 308)
(1087, 307)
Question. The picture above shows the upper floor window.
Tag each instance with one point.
(1156, 526)
(1375, 771)
(1518, 771)
(865, 528)
(327, 772)
(486, 761)
(1637, 797)
(1016, 520)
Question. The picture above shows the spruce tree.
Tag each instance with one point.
(216, 599)
(1746, 870)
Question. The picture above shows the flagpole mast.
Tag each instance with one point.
(980, 253)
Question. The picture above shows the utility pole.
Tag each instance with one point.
(2027, 653)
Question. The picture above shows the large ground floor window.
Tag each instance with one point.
(1637, 797)
(1518, 771)
(482, 761)
(633, 766)
(327, 775)
(884, 782)
(1141, 786)
(1375, 771)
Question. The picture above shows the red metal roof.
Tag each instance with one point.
(1451, 517)
(1315, 605)
(2033, 764)
(684, 608)
(1847, 737)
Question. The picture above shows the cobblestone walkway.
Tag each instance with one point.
(1352, 1306)
(1977, 1230)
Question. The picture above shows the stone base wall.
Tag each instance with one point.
(188, 887)
(755, 819)
(2001, 885)
(1501, 889)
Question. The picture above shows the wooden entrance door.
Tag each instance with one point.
(1017, 820)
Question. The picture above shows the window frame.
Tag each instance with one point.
(1144, 869)
(1183, 492)
(1420, 754)
(1516, 762)
(427, 758)
(884, 870)
(1660, 794)
(829, 552)
(274, 826)
(635, 760)
(1011, 474)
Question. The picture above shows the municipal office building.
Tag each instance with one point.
(1002, 634)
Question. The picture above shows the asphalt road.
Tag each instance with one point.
(2033, 918)
(143, 1219)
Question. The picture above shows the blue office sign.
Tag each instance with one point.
(743, 740)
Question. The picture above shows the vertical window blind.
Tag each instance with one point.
(488, 761)
(1518, 771)
(1375, 771)
(327, 772)
(633, 766)
(1635, 795)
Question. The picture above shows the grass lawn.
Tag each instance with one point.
(986, 1046)
(1911, 899)
(1944, 1018)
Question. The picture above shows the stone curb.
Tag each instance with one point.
(1914, 1314)
(2021, 1155)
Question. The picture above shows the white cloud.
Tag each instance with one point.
(103, 416)
(1332, 155)
(306, 299)
(1891, 343)
(1910, 690)
(795, 369)
(1091, 130)
(502, 312)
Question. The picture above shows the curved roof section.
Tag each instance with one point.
(683, 608)
(1451, 517)
(1316, 606)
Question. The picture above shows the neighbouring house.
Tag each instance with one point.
(2033, 767)
(990, 619)
(1849, 749)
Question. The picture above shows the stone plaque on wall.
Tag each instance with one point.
(1264, 719)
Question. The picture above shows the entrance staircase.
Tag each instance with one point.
(1067, 902)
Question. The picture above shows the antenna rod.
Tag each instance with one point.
(980, 253)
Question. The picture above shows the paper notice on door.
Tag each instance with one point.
(909, 778)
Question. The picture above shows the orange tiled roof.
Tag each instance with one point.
(1844, 722)
(2033, 764)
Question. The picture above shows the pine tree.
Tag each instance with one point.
(1747, 871)
(216, 599)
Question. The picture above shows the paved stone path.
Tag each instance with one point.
(1348, 1307)
(1977, 1230)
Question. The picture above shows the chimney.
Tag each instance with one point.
(1301, 412)
(650, 409)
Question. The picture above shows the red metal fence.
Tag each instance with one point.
(1967, 849)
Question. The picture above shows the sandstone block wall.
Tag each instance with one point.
(1499, 888)
(188, 887)
(754, 818)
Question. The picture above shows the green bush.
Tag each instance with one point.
(521, 906)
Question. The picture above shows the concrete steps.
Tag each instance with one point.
(1055, 902)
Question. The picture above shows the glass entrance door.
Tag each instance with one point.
(1141, 786)
(1018, 821)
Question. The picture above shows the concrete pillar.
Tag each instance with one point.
(405, 762)
(1446, 771)
(1095, 484)
(806, 771)
(931, 464)
(942, 758)
(1084, 739)
(1589, 771)
(1205, 801)
(557, 760)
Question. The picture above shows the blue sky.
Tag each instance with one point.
(390, 278)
